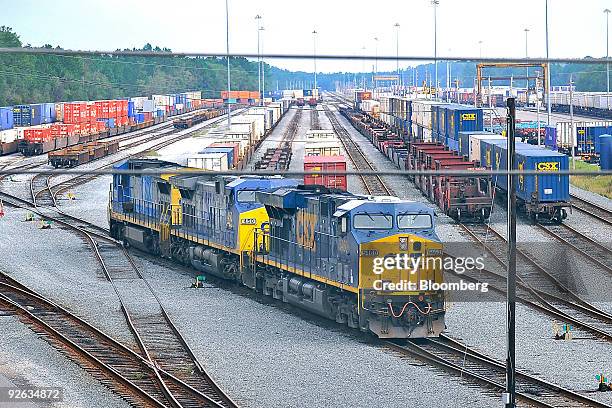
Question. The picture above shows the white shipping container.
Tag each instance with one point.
(59, 111)
(268, 123)
(287, 93)
(427, 135)
(320, 134)
(243, 128)
(179, 106)
(148, 105)
(373, 107)
(9, 135)
(327, 148)
(298, 93)
(139, 102)
(208, 161)
(475, 144)
(260, 122)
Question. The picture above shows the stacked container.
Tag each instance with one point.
(6, 118)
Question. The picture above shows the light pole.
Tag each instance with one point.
(435, 4)
(263, 68)
(397, 27)
(527, 69)
(448, 78)
(229, 87)
(314, 46)
(547, 71)
(258, 21)
(375, 65)
(363, 75)
(607, 11)
(480, 48)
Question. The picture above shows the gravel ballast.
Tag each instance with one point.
(29, 361)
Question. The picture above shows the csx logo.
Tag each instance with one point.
(548, 166)
(468, 116)
(581, 132)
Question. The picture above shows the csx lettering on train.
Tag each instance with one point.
(468, 116)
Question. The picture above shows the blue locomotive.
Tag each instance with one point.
(319, 249)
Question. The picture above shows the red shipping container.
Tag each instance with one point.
(124, 107)
(91, 112)
(101, 126)
(37, 135)
(325, 163)
(62, 129)
(112, 109)
(234, 145)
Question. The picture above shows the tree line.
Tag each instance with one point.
(36, 78)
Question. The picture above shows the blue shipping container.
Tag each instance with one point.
(452, 144)
(110, 123)
(550, 137)
(22, 115)
(48, 113)
(131, 109)
(307, 92)
(6, 117)
(462, 118)
(229, 151)
(605, 158)
(548, 187)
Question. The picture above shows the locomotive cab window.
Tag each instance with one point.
(344, 224)
(245, 196)
(373, 221)
(414, 221)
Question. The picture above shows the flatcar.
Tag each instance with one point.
(306, 245)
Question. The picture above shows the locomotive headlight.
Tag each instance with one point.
(403, 243)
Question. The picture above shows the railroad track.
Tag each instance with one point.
(589, 248)
(594, 210)
(539, 288)
(138, 380)
(314, 119)
(374, 185)
(467, 362)
(457, 357)
(279, 157)
(159, 341)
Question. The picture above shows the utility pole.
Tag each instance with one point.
(258, 20)
(509, 396)
(397, 26)
(448, 78)
(435, 4)
(229, 86)
(314, 46)
(573, 130)
(374, 82)
(263, 67)
(548, 107)
(607, 11)
(537, 89)
(526, 69)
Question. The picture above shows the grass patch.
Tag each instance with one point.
(153, 153)
(601, 185)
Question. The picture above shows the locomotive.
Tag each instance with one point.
(310, 246)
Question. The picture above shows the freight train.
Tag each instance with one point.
(40, 128)
(315, 248)
(429, 135)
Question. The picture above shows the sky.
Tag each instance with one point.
(576, 28)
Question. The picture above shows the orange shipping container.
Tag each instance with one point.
(325, 163)
(253, 95)
(243, 94)
(62, 129)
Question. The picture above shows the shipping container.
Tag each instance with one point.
(605, 158)
(22, 115)
(325, 163)
(6, 118)
(232, 158)
(320, 134)
(326, 148)
(461, 118)
(469, 143)
(210, 161)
